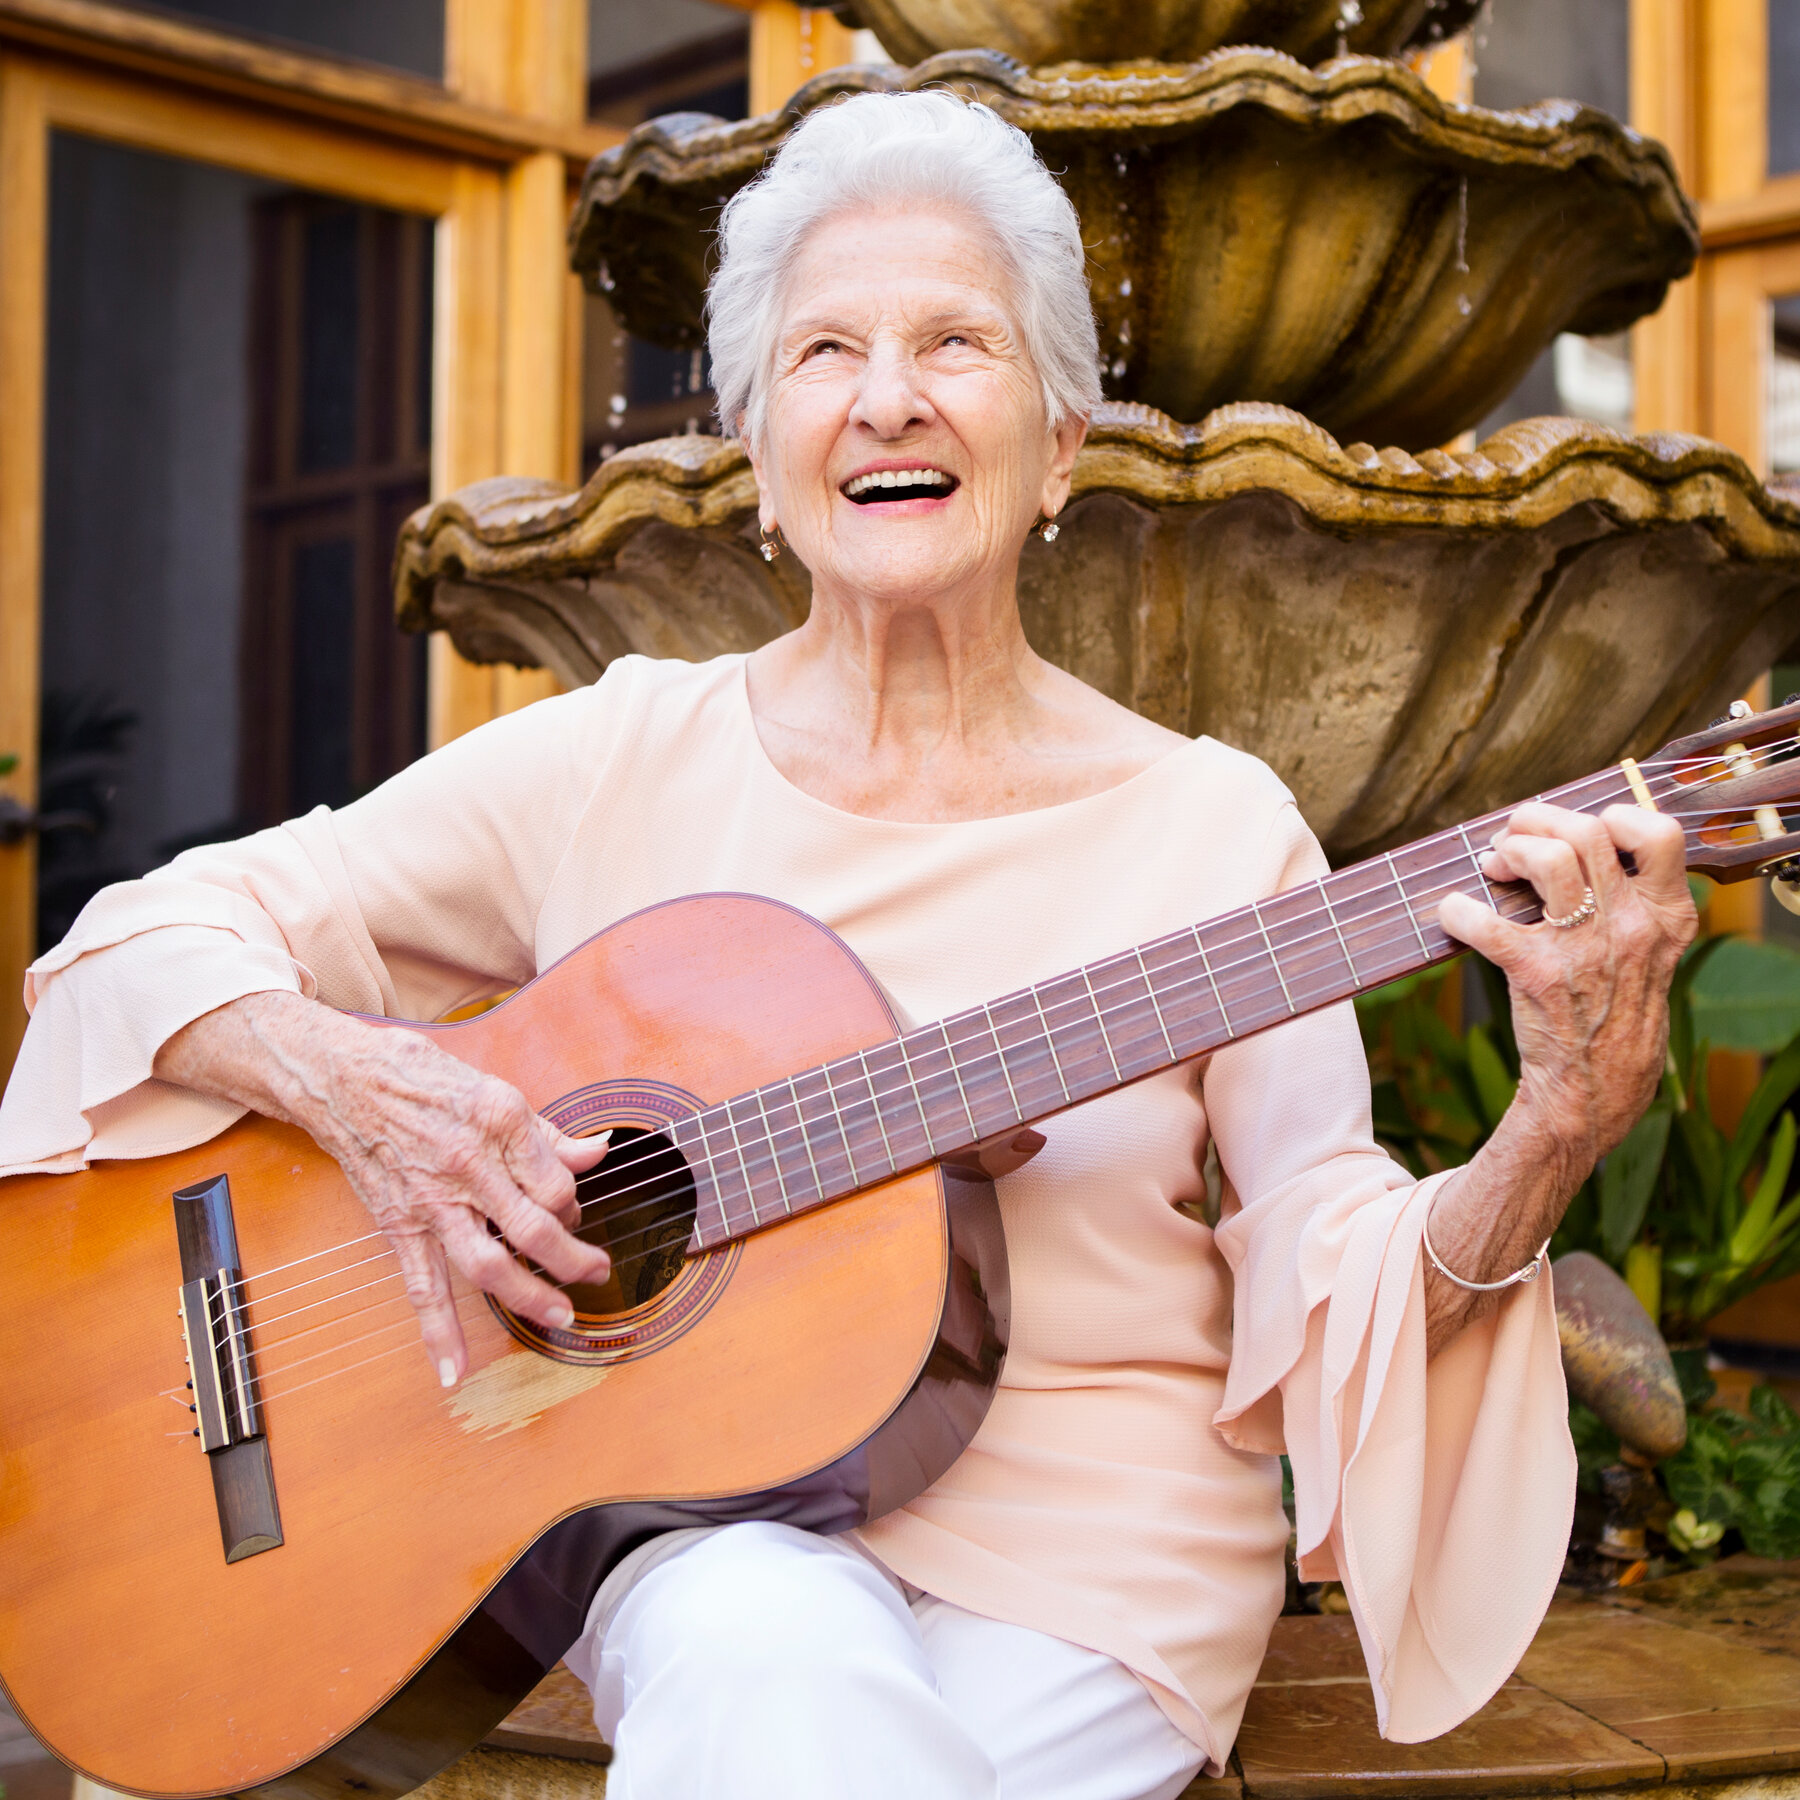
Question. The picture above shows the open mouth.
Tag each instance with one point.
(886, 485)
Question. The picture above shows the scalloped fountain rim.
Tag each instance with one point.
(1150, 98)
(1516, 480)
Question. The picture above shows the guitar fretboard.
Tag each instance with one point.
(932, 1092)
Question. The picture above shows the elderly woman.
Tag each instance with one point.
(901, 335)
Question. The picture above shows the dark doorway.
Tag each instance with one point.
(238, 417)
(340, 453)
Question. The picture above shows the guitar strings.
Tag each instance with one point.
(1388, 908)
(996, 1053)
(1765, 753)
(622, 1263)
(394, 1325)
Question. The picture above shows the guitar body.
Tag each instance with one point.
(437, 1551)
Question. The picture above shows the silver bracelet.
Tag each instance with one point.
(1528, 1273)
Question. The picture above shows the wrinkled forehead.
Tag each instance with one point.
(915, 268)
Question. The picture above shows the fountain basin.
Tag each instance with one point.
(1051, 31)
(1340, 241)
(1408, 641)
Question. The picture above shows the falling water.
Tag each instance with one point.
(1350, 15)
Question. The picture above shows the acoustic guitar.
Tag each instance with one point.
(248, 1545)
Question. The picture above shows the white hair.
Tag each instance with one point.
(902, 150)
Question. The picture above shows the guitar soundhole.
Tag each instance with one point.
(638, 1205)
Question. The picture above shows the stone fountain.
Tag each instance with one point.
(1309, 262)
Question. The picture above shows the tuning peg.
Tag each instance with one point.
(1792, 700)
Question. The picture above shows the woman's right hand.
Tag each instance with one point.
(437, 1151)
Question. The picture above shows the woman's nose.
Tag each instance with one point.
(890, 399)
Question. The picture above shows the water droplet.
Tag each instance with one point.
(696, 372)
(1118, 368)
(1125, 288)
(1465, 305)
(616, 407)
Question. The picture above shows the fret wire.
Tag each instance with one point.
(805, 1136)
(737, 1143)
(1062, 1081)
(1100, 1020)
(1404, 901)
(774, 1154)
(718, 1187)
(1156, 1007)
(1212, 979)
(849, 1148)
(1331, 914)
(1487, 887)
(1268, 944)
(912, 1081)
(1000, 1051)
(962, 1092)
(875, 1106)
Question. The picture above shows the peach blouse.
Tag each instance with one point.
(1123, 1493)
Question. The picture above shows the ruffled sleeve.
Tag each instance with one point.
(1439, 1492)
(411, 901)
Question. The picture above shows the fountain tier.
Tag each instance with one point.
(1409, 641)
(1051, 31)
(1340, 241)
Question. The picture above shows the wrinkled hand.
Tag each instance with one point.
(1590, 1002)
(434, 1148)
(1590, 1007)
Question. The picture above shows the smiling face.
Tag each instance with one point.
(905, 450)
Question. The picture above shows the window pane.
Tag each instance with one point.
(649, 57)
(323, 651)
(1783, 428)
(399, 34)
(1784, 86)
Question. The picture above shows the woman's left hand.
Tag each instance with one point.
(1590, 1013)
(1590, 1001)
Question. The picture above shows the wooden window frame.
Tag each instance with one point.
(492, 157)
(493, 153)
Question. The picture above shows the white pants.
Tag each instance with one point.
(762, 1663)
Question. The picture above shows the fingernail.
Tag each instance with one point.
(447, 1372)
(562, 1317)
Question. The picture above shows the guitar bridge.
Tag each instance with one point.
(222, 1370)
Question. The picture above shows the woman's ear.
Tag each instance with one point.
(765, 503)
(1068, 438)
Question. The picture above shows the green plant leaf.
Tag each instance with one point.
(1495, 1084)
(1746, 996)
(1772, 1094)
(1753, 1229)
(1683, 1040)
(1628, 1178)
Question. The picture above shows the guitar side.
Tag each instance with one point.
(439, 1549)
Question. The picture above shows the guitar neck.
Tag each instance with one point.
(940, 1089)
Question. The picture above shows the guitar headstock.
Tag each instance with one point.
(1736, 789)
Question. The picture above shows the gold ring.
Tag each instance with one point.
(1579, 916)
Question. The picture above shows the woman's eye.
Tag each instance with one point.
(825, 344)
(956, 337)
